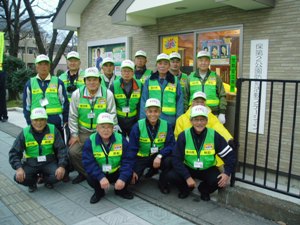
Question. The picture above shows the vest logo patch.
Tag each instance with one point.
(53, 86)
(101, 101)
(161, 135)
(49, 136)
(117, 147)
(208, 146)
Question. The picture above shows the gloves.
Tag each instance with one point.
(221, 118)
(118, 129)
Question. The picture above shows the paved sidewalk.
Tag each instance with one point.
(69, 204)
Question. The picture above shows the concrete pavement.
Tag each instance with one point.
(69, 204)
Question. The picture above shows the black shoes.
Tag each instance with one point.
(183, 194)
(96, 198)
(49, 186)
(205, 197)
(124, 194)
(163, 188)
(32, 188)
(79, 179)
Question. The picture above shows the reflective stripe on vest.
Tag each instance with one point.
(145, 141)
(122, 101)
(54, 106)
(32, 147)
(207, 153)
(114, 155)
(85, 108)
(209, 88)
(167, 97)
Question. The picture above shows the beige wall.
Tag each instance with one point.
(280, 25)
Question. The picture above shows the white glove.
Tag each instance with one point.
(221, 118)
(117, 128)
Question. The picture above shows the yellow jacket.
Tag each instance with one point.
(183, 122)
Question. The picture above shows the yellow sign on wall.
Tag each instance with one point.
(170, 44)
(1, 49)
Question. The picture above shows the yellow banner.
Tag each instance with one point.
(170, 44)
(1, 49)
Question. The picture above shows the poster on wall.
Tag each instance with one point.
(114, 51)
(219, 50)
(170, 44)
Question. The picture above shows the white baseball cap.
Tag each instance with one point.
(127, 64)
(162, 56)
(105, 118)
(73, 54)
(140, 53)
(199, 110)
(42, 58)
(199, 94)
(203, 53)
(91, 72)
(107, 60)
(38, 113)
(175, 55)
(152, 102)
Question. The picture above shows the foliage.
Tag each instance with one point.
(17, 76)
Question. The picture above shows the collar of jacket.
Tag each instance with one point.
(207, 73)
(134, 84)
(170, 77)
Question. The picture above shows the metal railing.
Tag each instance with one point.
(267, 126)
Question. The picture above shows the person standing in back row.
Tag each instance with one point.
(207, 81)
(141, 72)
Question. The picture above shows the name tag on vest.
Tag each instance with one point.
(91, 115)
(125, 109)
(106, 167)
(198, 164)
(41, 158)
(44, 102)
(154, 150)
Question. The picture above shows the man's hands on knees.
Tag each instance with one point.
(134, 178)
(156, 163)
(20, 175)
(60, 173)
(223, 180)
(119, 185)
(104, 183)
(191, 182)
(73, 141)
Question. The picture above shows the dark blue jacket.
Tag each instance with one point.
(221, 148)
(57, 120)
(93, 169)
(134, 140)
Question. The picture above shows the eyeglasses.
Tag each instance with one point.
(201, 120)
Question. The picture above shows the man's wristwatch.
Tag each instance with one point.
(159, 156)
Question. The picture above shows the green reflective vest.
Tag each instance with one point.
(32, 147)
(145, 76)
(85, 109)
(207, 151)
(54, 105)
(145, 142)
(167, 96)
(122, 103)
(114, 156)
(78, 83)
(209, 88)
(183, 80)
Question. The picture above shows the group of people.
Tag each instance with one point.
(119, 126)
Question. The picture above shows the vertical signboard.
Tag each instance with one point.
(258, 70)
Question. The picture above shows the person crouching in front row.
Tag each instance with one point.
(106, 160)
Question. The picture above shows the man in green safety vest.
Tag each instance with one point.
(152, 140)
(38, 149)
(165, 87)
(207, 81)
(195, 157)
(108, 77)
(87, 103)
(106, 160)
(73, 77)
(175, 64)
(127, 92)
(141, 72)
(45, 90)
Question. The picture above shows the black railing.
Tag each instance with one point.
(269, 152)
